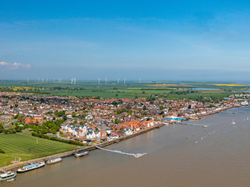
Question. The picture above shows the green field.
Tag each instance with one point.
(25, 146)
(113, 89)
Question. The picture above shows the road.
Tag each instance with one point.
(7, 124)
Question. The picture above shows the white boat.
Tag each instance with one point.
(54, 160)
(233, 122)
(7, 176)
(31, 167)
(245, 103)
(81, 153)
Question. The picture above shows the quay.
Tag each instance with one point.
(70, 153)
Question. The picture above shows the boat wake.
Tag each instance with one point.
(136, 155)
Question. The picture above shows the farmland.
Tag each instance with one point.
(131, 89)
(27, 147)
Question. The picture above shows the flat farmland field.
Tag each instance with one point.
(26, 147)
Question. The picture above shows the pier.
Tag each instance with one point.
(136, 155)
(204, 126)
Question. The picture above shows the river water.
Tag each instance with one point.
(219, 159)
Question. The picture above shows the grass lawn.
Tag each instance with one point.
(25, 146)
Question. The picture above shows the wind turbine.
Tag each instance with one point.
(99, 80)
(118, 81)
(124, 80)
(139, 80)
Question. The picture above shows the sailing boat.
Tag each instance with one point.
(233, 122)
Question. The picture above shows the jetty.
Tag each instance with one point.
(70, 153)
(204, 126)
(136, 155)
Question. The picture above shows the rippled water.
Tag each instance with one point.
(220, 159)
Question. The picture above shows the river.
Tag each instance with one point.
(219, 159)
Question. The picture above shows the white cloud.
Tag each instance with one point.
(14, 66)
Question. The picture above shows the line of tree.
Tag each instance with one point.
(72, 142)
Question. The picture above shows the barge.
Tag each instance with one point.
(81, 153)
(54, 160)
(31, 167)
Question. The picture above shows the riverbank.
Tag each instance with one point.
(69, 153)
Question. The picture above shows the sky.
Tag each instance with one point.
(187, 40)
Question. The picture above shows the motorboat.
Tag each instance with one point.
(7, 176)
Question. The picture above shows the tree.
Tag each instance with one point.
(1, 128)
(117, 121)
(73, 114)
(59, 114)
(64, 117)
(16, 105)
(114, 103)
(120, 101)
(161, 107)
(116, 95)
(143, 92)
(19, 117)
(128, 107)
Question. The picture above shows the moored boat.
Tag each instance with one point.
(194, 118)
(7, 176)
(81, 153)
(31, 167)
(54, 160)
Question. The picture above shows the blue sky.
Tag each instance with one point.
(151, 40)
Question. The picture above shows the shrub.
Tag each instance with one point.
(57, 139)
(1, 151)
